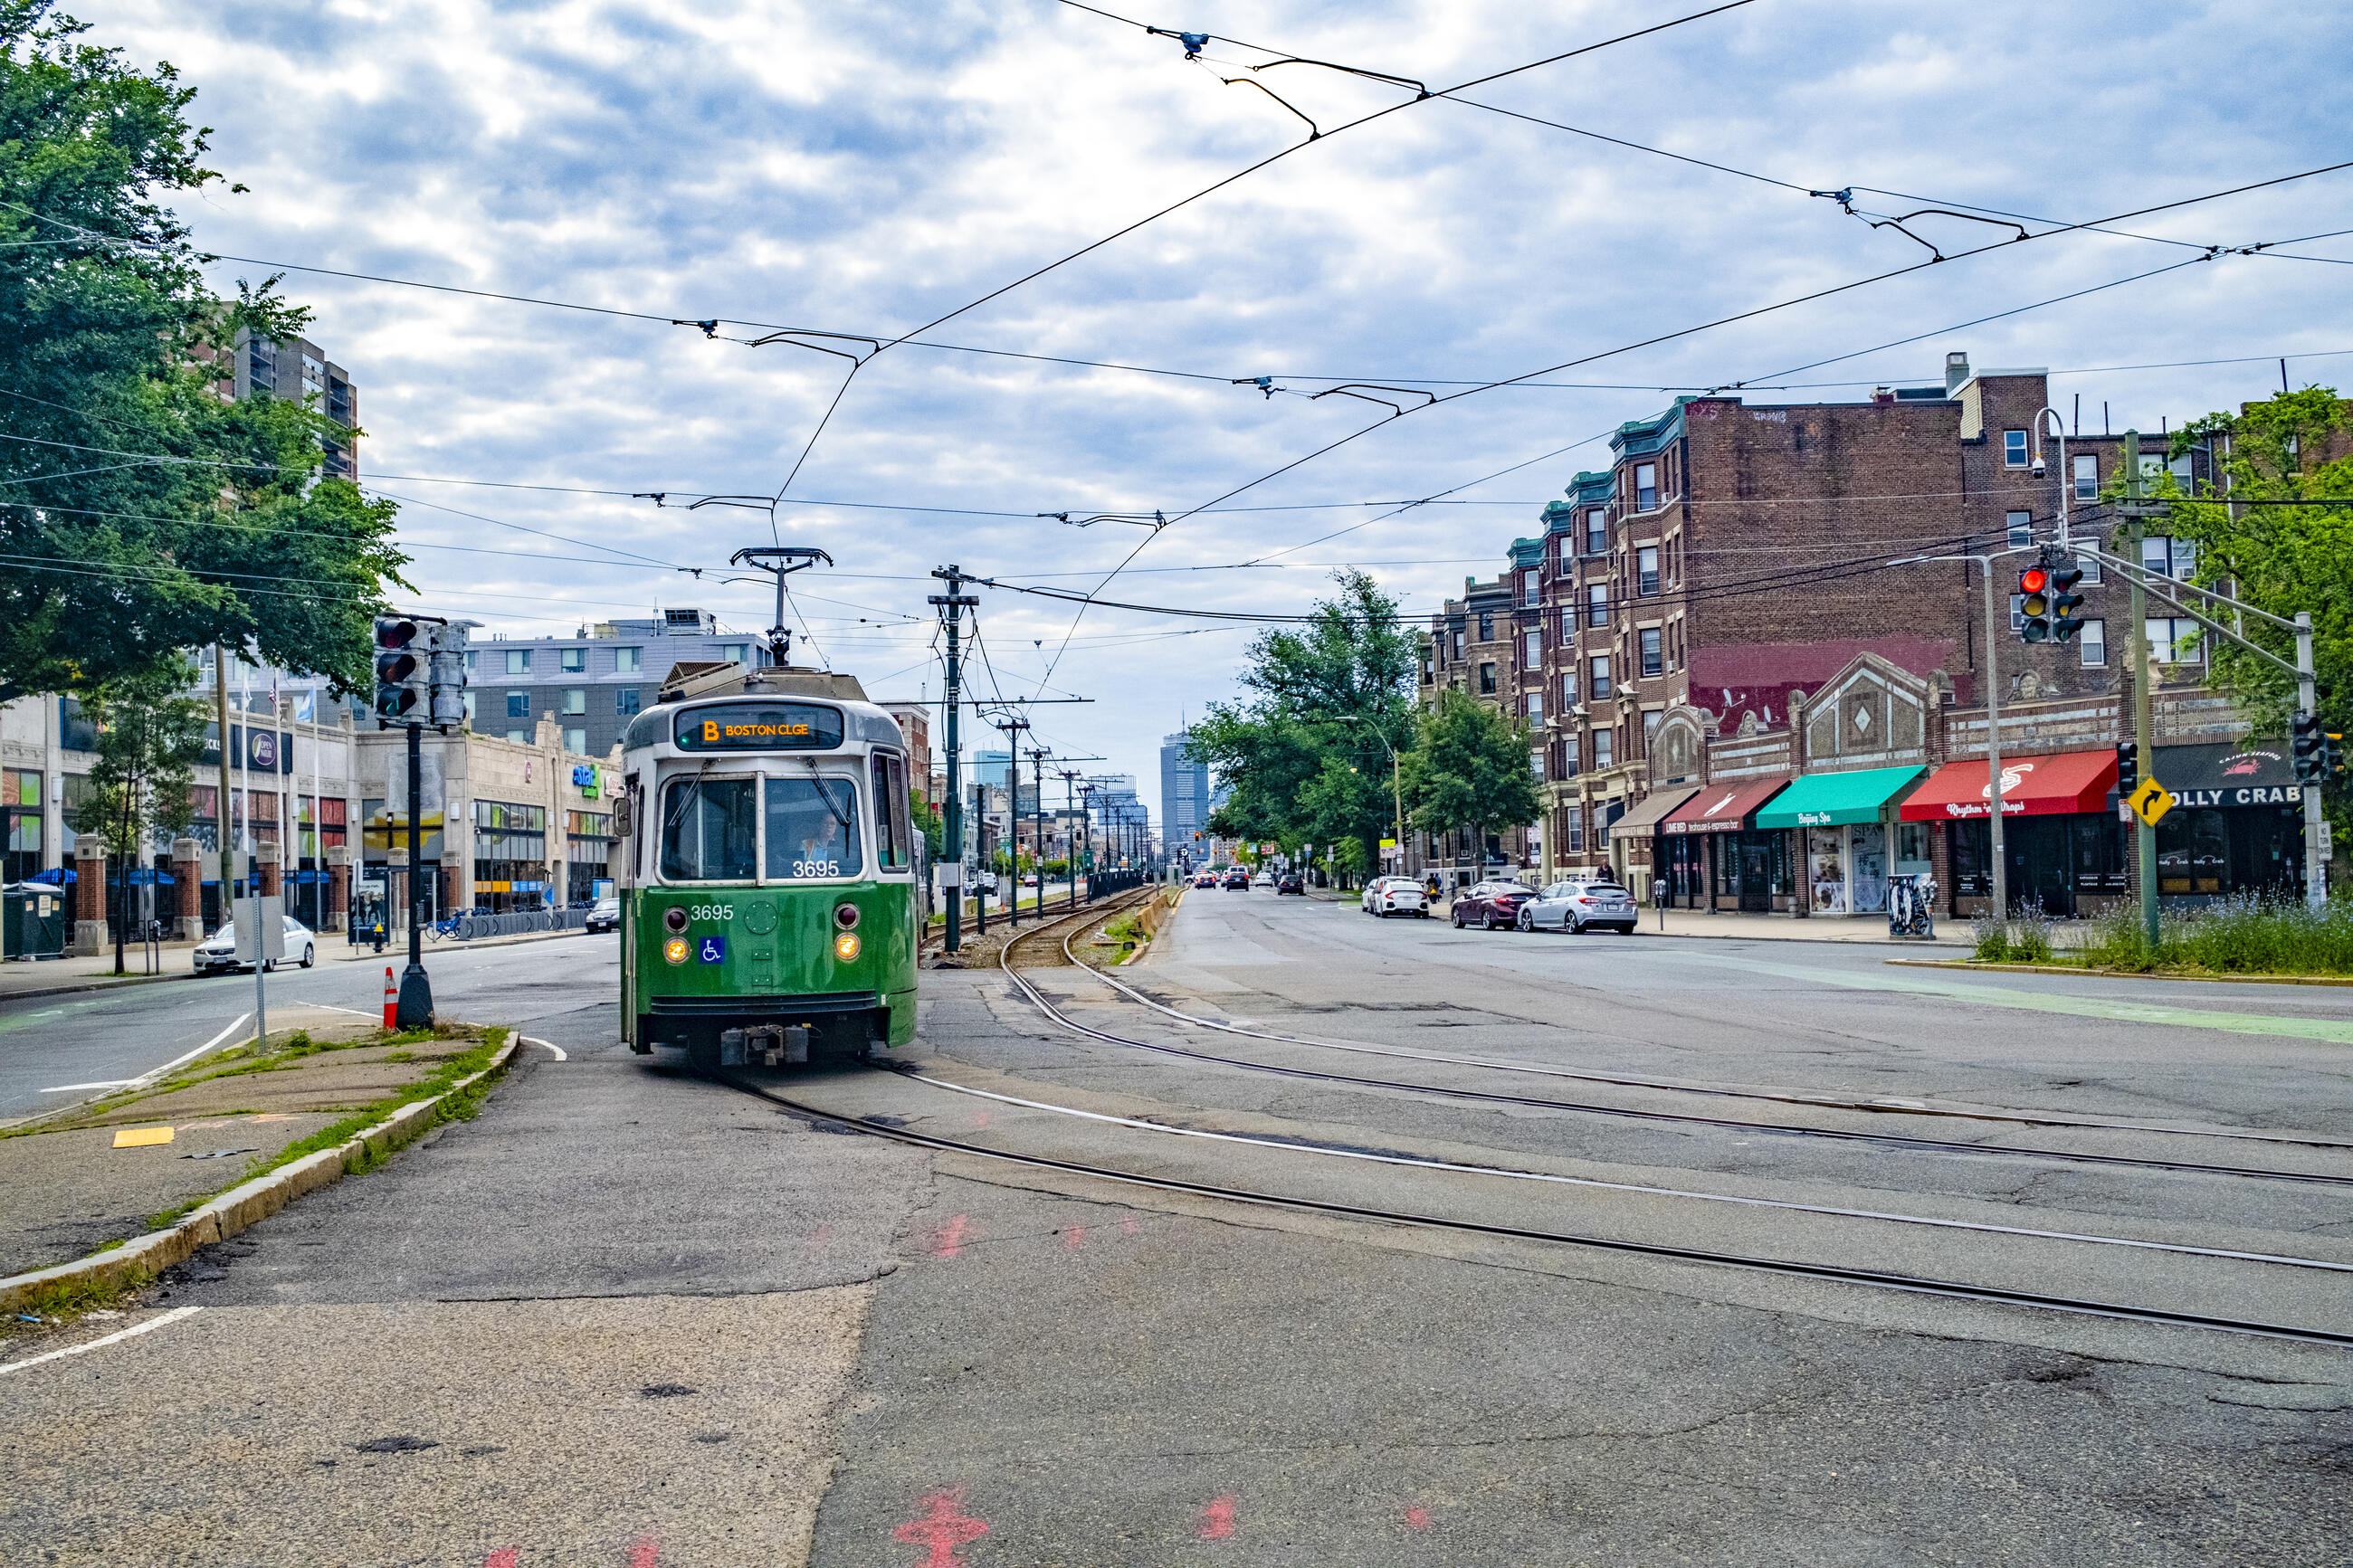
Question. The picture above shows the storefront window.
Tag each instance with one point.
(20, 800)
(1826, 869)
(2193, 852)
(509, 855)
(1968, 845)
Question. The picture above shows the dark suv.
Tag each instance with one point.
(1238, 879)
(1292, 882)
(1492, 904)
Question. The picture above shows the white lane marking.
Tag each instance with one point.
(556, 1049)
(153, 1073)
(73, 1088)
(174, 1316)
(1510, 1174)
(330, 1006)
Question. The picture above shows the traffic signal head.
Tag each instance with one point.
(401, 645)
(2309, 749)
(446, 668)
(2127, 768)
(2034, 604)
(2066, 604)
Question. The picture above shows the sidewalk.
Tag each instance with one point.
(59, 977)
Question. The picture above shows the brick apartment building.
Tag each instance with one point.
(1693, 613)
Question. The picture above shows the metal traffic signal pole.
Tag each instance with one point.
(2143, 732)
(951, 606)
(416, 1008)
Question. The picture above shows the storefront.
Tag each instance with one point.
(1842, 827)
(2063, 842)
(2237, 824)
(1635, 833)
(1714, 857)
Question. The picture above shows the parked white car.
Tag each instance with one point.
(1386, 896)
(1576, 905)
(217, 953)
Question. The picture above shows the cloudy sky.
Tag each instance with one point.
(865, 169)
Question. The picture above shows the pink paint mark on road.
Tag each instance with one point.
(1074, 1238)
(981, 1119)
(822, 1236)
(950, 1238)
(1417, 1519)
(943, 1529)
(504, 1557)
(645, 1553)
(1127, 1226)
(1217, 1519)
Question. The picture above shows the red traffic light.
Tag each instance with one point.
(2033, 580)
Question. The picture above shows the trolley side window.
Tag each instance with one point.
(893, 846)
(708, 831)
(813, 829)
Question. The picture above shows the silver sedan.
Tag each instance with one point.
(1574, 906)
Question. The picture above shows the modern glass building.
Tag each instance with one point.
(1184, 792)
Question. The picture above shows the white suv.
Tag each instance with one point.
(1386, 896)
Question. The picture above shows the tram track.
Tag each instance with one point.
(1892, 1139)
(1061, 932)
(1873, 1278)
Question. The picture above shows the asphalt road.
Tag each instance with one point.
(896, 1357)
(48, 1045)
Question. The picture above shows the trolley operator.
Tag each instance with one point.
(812, 828)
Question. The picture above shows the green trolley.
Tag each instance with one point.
(768, 906)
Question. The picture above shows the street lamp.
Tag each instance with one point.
(2067, 480)
(2000, 888)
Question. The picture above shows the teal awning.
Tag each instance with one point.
(1825, 800)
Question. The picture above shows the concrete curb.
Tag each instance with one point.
(242, 1207)
(1975, 967)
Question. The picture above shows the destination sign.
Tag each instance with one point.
(759, 727)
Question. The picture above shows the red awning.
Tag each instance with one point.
(2059, 785)
(1724, 808)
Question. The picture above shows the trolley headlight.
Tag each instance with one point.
(675, 918)
(845, 946)
(845, 915)
(675, 949)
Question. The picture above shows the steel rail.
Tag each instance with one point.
(1892, 1139)
(1879, 1280)
(1359, 1047)
(1640, 1189)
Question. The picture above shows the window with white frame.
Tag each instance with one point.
(2164, 557)
(2091, 642)
(1535, 760)
(576, 741)
(1646, 486)
(1597, 531)
(2170, 641)
(2016, 612)
(1596, 603)
(2013, 450)
(1601, 739)
(572, 660)
(1646, 570)
(1597, 680)
(2087, 476)
(1529, 586)
(518, 661)
(1653, 657)
(626, 660)
(1568, 624)
(1568, 758)
(1576, 835)
(576, 700)
(1531, 650)
(2090, 563)
(2021, 528)
(1568, 688)
(1486, 626)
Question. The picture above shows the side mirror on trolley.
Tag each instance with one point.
(622, 812)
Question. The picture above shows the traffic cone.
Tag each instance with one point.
(391, 1000)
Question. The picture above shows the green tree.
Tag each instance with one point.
(1324, 698)
(141, 515)
(149, 738)
(2282, 557)
(1468, 771)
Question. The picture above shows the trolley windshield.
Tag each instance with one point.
(812, 829)
(779, 830)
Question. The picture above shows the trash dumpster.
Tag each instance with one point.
(33, 921)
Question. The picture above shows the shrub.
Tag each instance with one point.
(2243, 934)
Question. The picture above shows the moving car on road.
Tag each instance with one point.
(1292, 882)
(605, 915)
(1579, 903)
(1492, 904)
(1238, 881)
(218, 954)
(1386, 896)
